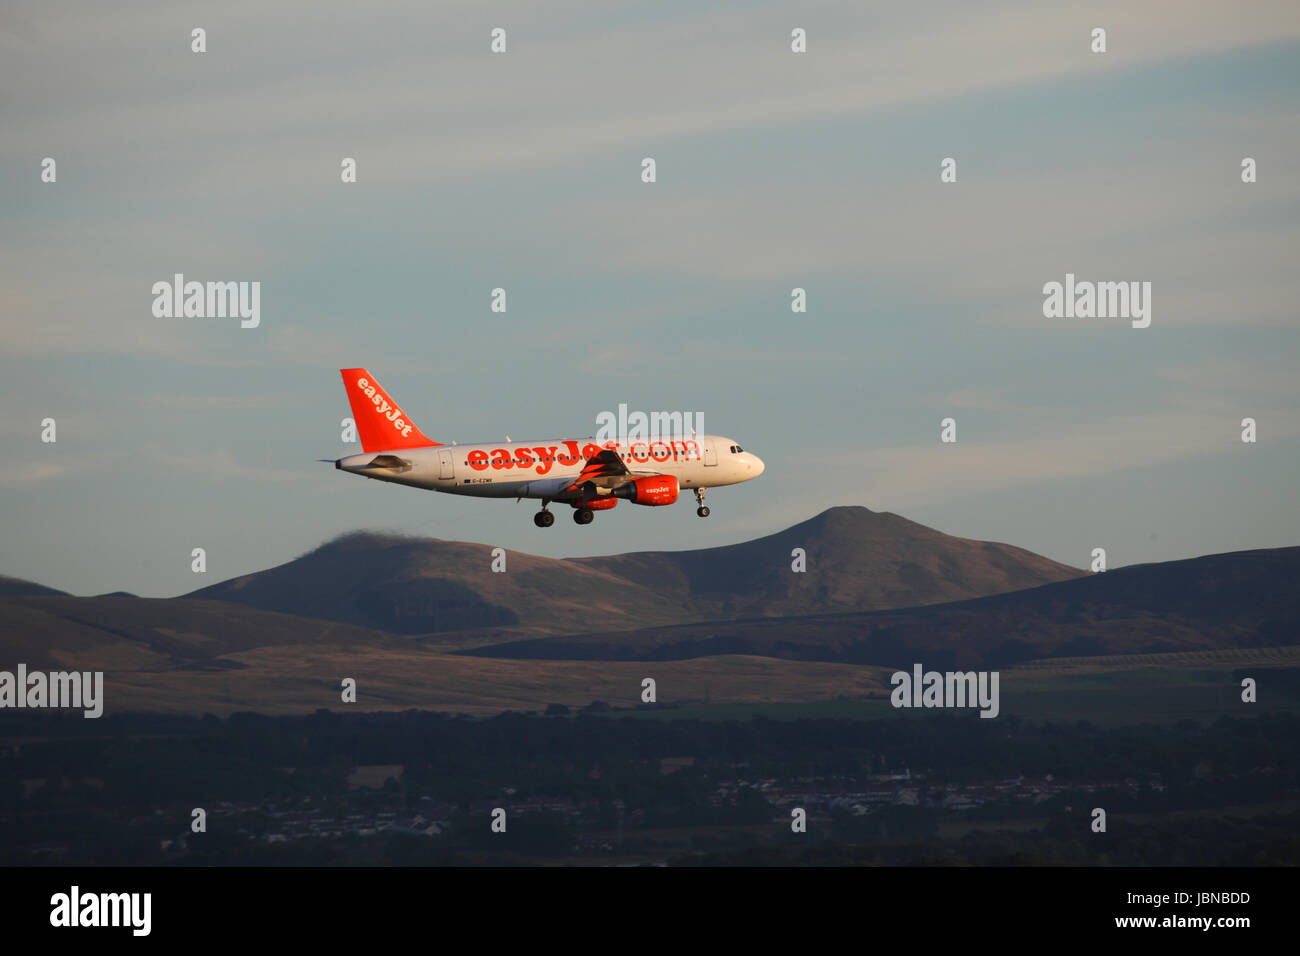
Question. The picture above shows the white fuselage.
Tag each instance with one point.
(545, 469)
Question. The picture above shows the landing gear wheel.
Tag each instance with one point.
(583, 515)
(702, 511)
(543, 519)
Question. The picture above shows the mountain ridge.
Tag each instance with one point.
(1233, 600)
(856, 559)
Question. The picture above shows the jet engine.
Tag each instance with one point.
(652, 490)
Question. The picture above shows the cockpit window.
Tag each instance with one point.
(739, 449)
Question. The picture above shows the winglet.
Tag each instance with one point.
(381, 424)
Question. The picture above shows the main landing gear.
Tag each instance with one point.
(702, 511)
(582, 515)
(544, 518)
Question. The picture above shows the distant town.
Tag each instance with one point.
(608, 788)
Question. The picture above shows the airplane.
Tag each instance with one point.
(587, 474)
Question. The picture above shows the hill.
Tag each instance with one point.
(188, 655)
(1238, 600)
(17, 586)
(856, 559)
(156, 634)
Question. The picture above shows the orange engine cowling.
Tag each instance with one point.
(651, 490)
(598, 504)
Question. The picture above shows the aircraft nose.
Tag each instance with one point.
(759, 467)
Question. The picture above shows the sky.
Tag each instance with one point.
(523, 170)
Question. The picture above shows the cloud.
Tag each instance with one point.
(978, 399)
(987, 246)
(211, 402)
(31, 472)
(902, 477)
(431, 104)
(220, 464)
(1272, 378)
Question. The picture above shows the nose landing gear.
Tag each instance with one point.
(543, 518)
(702, 511)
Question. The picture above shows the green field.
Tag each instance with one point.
(1155, 695)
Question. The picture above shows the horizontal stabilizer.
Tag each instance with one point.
(389, 461)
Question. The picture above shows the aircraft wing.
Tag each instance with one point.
(605, 469)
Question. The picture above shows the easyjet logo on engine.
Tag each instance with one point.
(652, 490)
(542, 458)
(391, 412)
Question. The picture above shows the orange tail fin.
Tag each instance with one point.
(381, 424)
